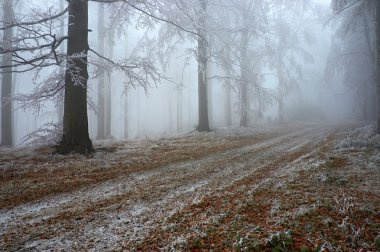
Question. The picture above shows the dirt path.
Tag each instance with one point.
(167, 208)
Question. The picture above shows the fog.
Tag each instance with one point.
(313, 45)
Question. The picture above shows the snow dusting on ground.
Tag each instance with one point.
(247, 189)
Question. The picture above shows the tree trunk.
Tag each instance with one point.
(366, 97)
(280, 96)
(227, 93)
(179, 100)
(227, 83)
(6, 87)
(244, 79)
(104, 80)
(125, 116)
(210, 91)
(280, 74)
(138, 106)
(227, 104)
(75, 121)
(62, 67)
(280, 103)
(101, 77)
(202, 70)
(107, 97)
(377, 16)
(170, 108)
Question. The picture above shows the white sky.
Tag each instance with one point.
(326, 2)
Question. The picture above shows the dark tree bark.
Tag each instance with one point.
(377, 25)
(75, 122)
(6, 87)
(202, 70)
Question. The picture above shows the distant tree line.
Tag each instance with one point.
(242, 37)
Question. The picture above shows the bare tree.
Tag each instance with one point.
(37, 51)
(239, 52)
(244, 68)
(183, 21)
(203, 124)
(352, 12)
(286, 54)
(75, 121)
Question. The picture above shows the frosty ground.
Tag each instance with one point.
(291, 187)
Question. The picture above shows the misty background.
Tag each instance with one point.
(321, 61)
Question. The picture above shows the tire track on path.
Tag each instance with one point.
(119, 212)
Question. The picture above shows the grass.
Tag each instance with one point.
(312, 198)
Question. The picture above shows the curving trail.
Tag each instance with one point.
(138, 209)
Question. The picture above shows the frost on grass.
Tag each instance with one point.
(264, 184)
(178, 244)
(344, 204)
(364, 137)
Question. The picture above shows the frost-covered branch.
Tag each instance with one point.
(48, 134)
(36, 44)
(47, 18)
(140, 71)
(47, 89)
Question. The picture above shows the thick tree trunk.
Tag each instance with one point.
(6, 87)
(202, 71)
(75, 121)
(377, 16)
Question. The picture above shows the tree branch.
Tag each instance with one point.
(30, 23)
(152, 16)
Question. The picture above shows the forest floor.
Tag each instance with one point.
(301, 187)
